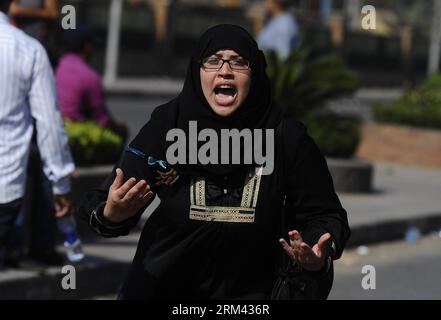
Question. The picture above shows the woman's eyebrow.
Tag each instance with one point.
(218, 55)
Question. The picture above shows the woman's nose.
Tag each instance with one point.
(225, 69)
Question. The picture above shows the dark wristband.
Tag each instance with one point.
(98, 216)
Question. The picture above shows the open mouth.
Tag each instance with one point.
(225, 95)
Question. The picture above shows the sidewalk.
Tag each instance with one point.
(100, 273)
(403, 196)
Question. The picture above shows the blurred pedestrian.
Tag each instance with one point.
(79, 87)
(28, 100)
(34, 16)
(160, 15)
(281, 33)
(38, 19)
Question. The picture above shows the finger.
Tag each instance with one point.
(296, 248)
(66, 203)
(296, 255)
(168, 180)
(57, 206)
(295, 236)
(295, 239)
(143, 193)
(322, 242)
(147, 196)
(136, 191)
(119, 179)
(64, 210)
(60, 206)
(175, 179)
(286, 247)
(121, 192)
(323, 239)
(143, 200)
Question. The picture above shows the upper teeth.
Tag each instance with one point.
(225, 86)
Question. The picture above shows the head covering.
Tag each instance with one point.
(256, 112)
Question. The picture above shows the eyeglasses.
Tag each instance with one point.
(213, 63)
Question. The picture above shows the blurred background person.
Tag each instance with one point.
(28, 102)
(159, 8)
(38, 18)
(163, 14)
(281, 33)
(79, 87)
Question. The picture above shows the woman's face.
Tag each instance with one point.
(225, 89)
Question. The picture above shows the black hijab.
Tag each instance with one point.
(257, 111)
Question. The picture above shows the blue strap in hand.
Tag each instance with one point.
(150, 160)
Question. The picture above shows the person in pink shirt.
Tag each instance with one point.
(79, 87)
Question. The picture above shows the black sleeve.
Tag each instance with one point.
(312, 206)
(91, 208)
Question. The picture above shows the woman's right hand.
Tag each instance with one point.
(126, 199)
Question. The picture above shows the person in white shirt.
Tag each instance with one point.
(27, 95)
(281, 32)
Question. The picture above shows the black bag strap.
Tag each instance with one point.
(286, 263)
(281, 153)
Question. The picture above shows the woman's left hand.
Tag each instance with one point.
(311, 259)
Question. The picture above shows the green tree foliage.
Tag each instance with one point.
(420, 107)
(302, 84)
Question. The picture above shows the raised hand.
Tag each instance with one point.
(312, 259)
(63, 205)
(126, 199)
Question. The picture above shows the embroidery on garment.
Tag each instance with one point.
(243, 214)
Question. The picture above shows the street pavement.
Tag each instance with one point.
(134, 111)
(400, 192)
(403, 271)
(403, 197)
